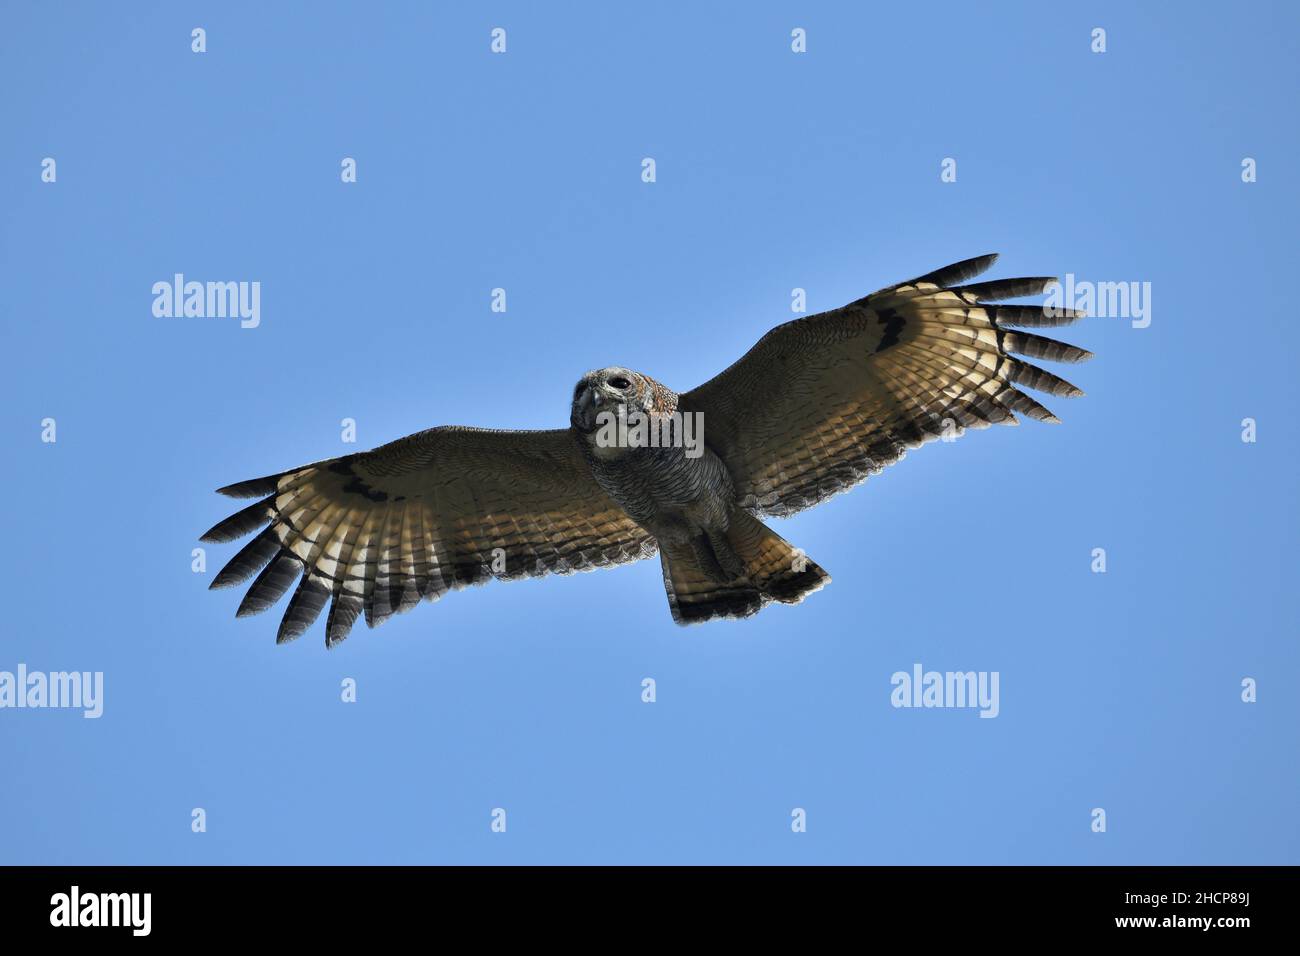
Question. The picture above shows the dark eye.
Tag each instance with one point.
(619, 382)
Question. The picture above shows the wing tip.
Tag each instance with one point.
(961, 271)
(252, 488)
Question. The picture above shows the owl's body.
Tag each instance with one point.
(717, 559)
(817, 406)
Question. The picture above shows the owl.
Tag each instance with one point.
(817, 406)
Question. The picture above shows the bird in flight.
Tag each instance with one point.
(817, 406)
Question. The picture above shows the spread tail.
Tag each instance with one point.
(736, 574)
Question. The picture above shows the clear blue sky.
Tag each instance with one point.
(775, 171)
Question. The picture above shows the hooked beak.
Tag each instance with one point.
(585, 408)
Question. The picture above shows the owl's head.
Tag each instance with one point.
(609, 390)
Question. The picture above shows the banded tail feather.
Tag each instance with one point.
(737, 574)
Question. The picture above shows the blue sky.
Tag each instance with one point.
(775, 170)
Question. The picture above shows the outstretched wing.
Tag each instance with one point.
(823, 402)
(429, 513)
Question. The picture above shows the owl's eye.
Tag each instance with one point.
(619, 382)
